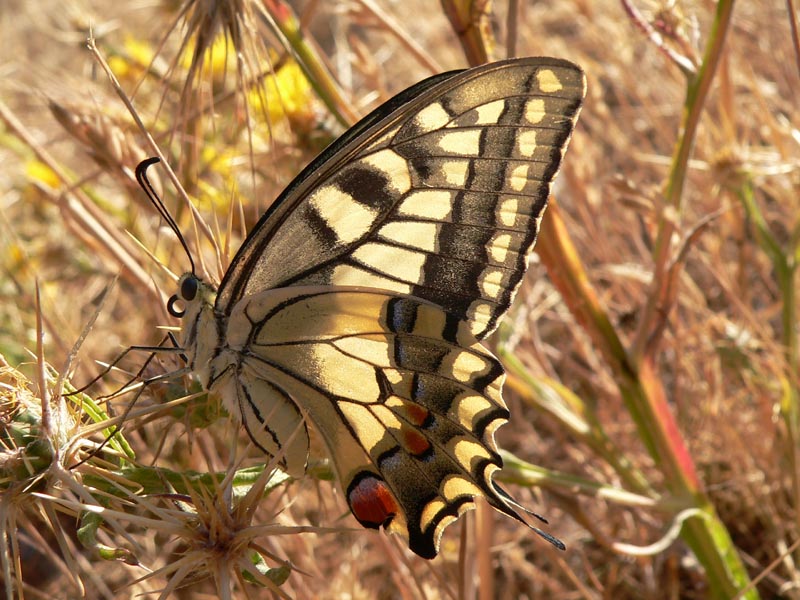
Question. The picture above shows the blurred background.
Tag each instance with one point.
(652, 350)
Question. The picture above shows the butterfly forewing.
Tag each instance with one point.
(439, 198)
(358, 301)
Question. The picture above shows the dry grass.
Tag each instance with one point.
(726, 358)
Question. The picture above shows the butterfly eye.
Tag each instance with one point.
(171, 307)
(189, 288)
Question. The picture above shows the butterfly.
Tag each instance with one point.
(358, 302)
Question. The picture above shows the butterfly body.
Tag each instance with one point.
(358, 302)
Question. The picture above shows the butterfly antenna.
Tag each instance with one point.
(144, 183)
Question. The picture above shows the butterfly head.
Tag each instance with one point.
(193, 294)
(194, 305)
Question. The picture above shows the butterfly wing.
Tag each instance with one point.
(436, 194)
(402, 392)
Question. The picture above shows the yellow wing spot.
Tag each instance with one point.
(465, 365)
(466, 451)
(492, 283)
(394, 166)
(430, 322)
(432, 508)
(480, 313)
(489, 114)
(368, 429)
(455, 172)
(449, 519)
(508, 211)
(368, 349)
(402, 264)
(492, 427)
(432, 117)
(548, 81)
(395, 377)
(349, 275)
(428, 204)
(465, 143)
(419, 235)
(519, 178)
(498, 249)
(387, 417)
(349, 219)
(493, 391)
(456, 486)
(398, 525)
(534, 110)
(341, 376)
(526, 142)
(467, 409)
(393, 401)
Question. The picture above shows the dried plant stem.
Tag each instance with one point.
(87, 221)
(197, 218)
(470, 22)
(414, 48)
(784, 263)
(656, 309)
(645, 398)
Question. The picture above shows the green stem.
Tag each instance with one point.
(696, 94)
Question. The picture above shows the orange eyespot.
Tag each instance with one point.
(416, 414)
(416, 443)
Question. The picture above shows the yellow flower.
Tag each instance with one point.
(40, 173)
(136, 56)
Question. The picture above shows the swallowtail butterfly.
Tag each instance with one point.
(358, 302)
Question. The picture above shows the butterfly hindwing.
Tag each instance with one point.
(400, 389)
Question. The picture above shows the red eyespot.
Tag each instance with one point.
(371, 501)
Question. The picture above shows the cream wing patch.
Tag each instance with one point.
(412, 233)
(348, 219)
(393, 166)
(436, 205)
(549, 82)
(461, 143)
(489, 114)
(432, 117)
(535, 111)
